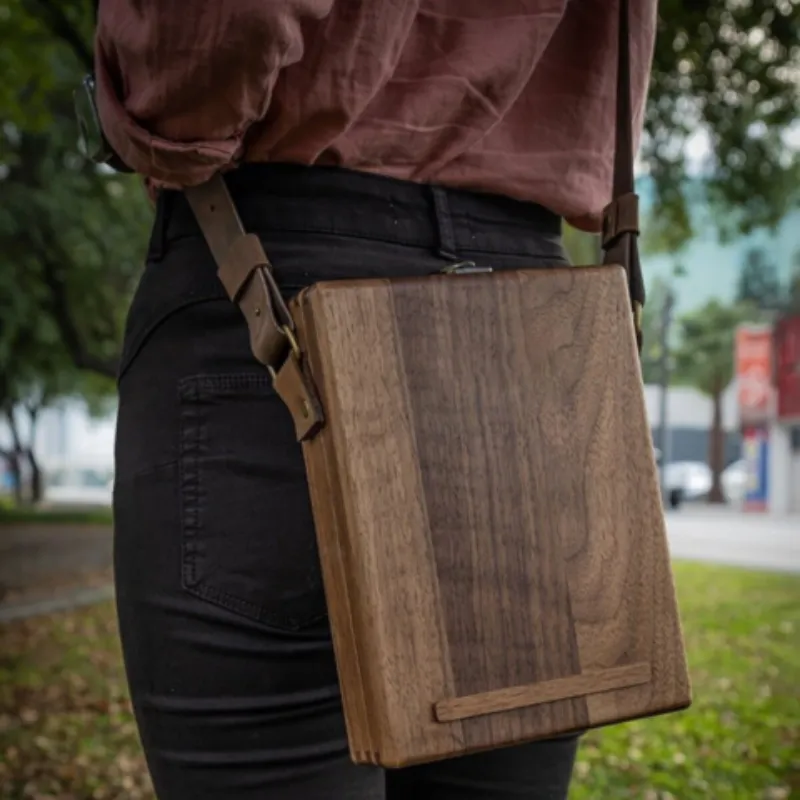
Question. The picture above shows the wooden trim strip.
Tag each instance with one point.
(534, 694)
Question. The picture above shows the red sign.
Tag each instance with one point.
(754, 373)
(787, 367)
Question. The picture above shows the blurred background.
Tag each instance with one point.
(719, 177)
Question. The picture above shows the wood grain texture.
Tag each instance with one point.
(487, 507)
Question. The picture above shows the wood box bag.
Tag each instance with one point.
(484, 489)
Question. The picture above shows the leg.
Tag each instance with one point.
(220, 602)
(539, 771)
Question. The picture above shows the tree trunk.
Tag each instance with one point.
(14, 456)
(36, 477)
(716, 451)
(36, 472)
(16, 474)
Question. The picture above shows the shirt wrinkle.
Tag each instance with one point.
(524, 108)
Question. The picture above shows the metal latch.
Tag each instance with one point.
(464, 268)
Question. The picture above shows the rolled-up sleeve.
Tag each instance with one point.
(180, 83)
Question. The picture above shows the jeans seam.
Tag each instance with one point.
(194, 387)
(158, 315)
(189, 487)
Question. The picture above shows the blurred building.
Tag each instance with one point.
(785, 428)
(689, 415)
(768, 408)
(72, 448)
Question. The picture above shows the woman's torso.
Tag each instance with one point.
(513, 97)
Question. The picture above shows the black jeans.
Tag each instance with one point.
(219, 594)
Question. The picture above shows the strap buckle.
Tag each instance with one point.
(294, 349)
(245, 271)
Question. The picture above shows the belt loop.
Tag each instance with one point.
(444, 223)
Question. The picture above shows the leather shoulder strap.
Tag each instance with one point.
(621, 216)
(623, 144)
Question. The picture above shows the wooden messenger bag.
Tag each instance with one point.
(484, 488)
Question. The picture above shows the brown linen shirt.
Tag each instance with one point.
(507, 96)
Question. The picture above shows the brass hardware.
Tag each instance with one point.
(638, 314)
(287, 332)
(294, 346)
(464, 268)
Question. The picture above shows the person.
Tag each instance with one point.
(359, 138)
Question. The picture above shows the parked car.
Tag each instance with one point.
(682, 481)
(691, 478)
(735, 479)
(690, 481)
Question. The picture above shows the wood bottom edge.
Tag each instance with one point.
(515, 697)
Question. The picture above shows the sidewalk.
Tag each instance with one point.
(47, 567)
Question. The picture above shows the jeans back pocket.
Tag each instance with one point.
(248, 533)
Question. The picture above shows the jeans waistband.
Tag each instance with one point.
(297, 199)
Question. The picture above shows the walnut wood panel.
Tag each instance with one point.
(487, 508)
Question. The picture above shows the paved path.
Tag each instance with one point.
(44, 567)
(726, 536)
(63, 599)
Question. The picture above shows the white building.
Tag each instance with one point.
(71, 447)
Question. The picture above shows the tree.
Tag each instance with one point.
(652, 335)
(727, 68)
(35, 372)
(704, 359)
(72, 236)
(759, 283)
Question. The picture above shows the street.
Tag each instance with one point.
(726, 536)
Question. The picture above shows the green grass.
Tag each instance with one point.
(66, 730)
(740, 740)
(56, 516)
(66, 727)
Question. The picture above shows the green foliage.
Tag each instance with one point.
(652, 330)
(759, 284)
(16, 515)
(704, 357)
(583, 248)
(72, 236)
(728, 67)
